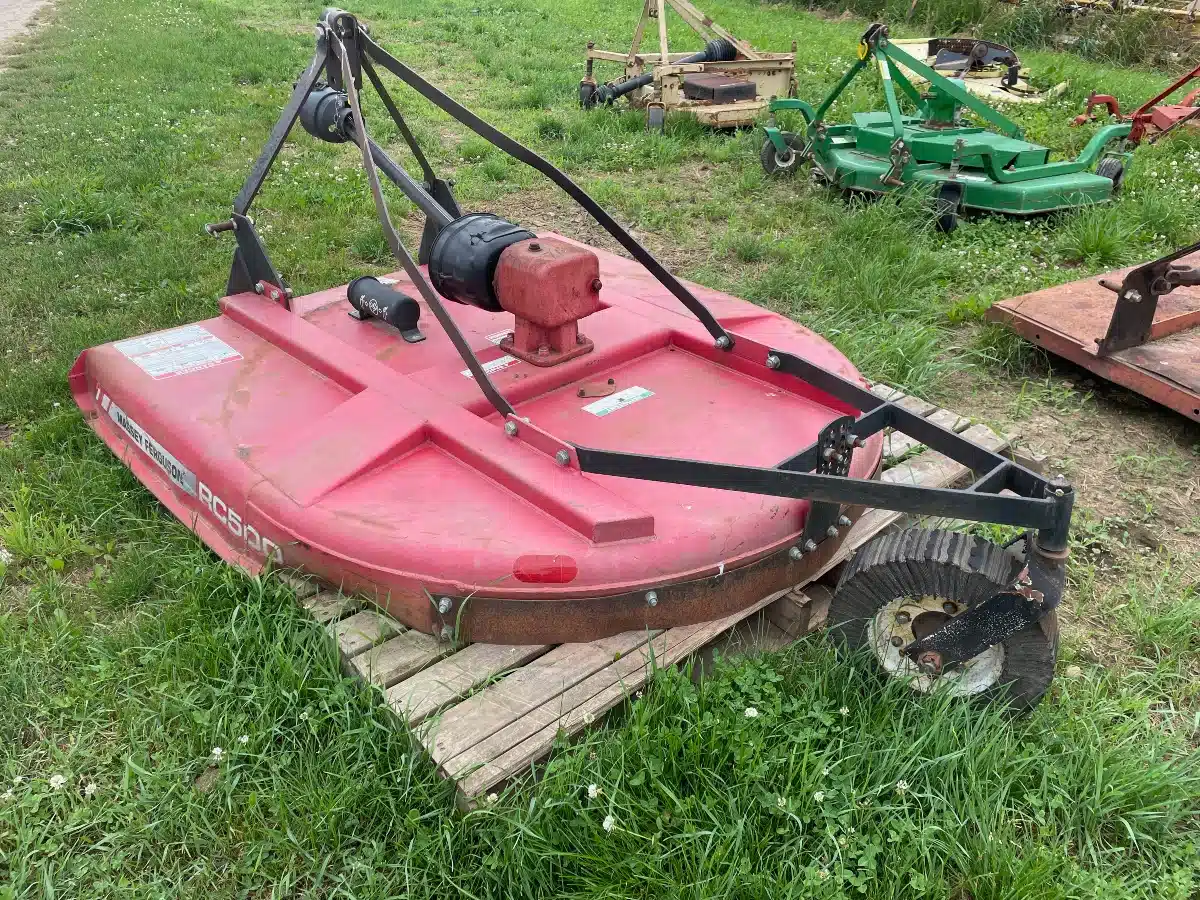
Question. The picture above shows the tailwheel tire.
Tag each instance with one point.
(904, 586)
(656, 118)
(949, 201)
(1113, 169)
(775, 163)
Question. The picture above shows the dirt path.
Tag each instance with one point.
(15, 15)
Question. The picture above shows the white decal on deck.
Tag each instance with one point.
(178, 351)
(182, 477)
(616, 401)
(497, 336)
(495, 365)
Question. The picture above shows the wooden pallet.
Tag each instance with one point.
(485, 713)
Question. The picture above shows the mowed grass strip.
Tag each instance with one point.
(170, 727)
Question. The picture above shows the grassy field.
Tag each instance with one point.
(172, 728)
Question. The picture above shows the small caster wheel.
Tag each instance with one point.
(655, 118)
(949, 201)
(904, 586)
(587, 94)
(775, 163)
(1113, 169)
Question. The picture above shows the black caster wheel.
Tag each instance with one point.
(1113, 169)
(902, 587)
(655, 118)
(949, 201)
(775, 163)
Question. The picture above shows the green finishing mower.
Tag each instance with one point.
(966, 166)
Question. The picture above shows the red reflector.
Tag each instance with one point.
(544, 568)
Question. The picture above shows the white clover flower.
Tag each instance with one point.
(18, 779)
(90, 788)
(6, 796)
(609, 823)
(751, 713)
(492, 798)
(304, 716)
(594, 791)
(823, 874)
(845, 710)
(901, 786)
(244, 739)
(588, 718)
(57, 781)
(217, 753)
(781, 803)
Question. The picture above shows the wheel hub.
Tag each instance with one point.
(906, 619)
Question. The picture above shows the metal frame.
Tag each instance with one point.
(1003, 492)
(1132, 322)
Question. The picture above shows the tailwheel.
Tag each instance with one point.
(786, 163)
(1114, 170)
(903, 587)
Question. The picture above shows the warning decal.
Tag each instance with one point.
(181, 476)
(178, 351)
(495, 365)
(619, 400)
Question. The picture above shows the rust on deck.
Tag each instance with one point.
(1070, 319)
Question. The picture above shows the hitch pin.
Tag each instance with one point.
(212, 229)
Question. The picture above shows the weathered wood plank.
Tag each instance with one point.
(482, 715)
(397, 659)
(677, 644)
(361, 631)
(895, 395)
(793, 612)
(951, 421)
(328, 606)
(419, 696)
(302, 586)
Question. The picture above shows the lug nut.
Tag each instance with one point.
(772, 361)
(597, 284)
(810, 545)
(510, 428)
(844, 522)
(795, 553)
(652, 598)
(445, 605)
(831, 531)
(535, 246)
(723, 342)
(562, 457)
(897, 641)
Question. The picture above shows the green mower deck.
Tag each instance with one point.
(968, 166)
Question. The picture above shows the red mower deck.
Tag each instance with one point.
(329, 444)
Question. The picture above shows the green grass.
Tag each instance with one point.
(128, 652)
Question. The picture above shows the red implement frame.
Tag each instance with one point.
(1152, 341)
(1151, 118)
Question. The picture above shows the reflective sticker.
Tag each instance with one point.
(616, 401)
(497, 336)
(178, 351)
(495, 365)
(180, 475)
